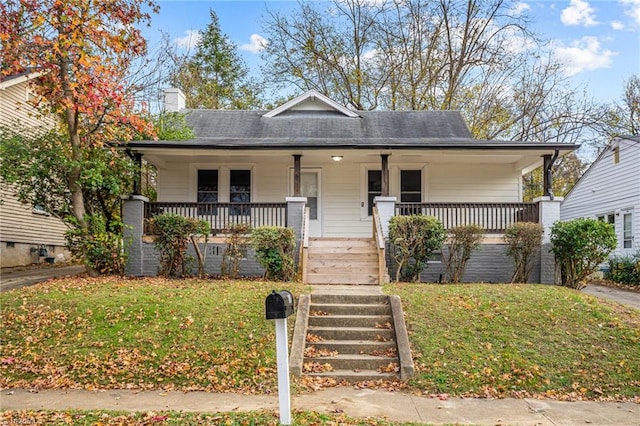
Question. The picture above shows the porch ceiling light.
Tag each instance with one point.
(336, 158)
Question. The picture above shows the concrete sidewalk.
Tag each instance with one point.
(393, 406)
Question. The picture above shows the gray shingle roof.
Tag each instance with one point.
(233, 129)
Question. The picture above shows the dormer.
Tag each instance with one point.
(311, 101)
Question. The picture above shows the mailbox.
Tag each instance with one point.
(279, 305)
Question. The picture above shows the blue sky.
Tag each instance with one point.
(597, 40)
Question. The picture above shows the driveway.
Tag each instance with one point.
(17, 277)
(630, 298)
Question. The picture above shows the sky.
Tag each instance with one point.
(597, 40)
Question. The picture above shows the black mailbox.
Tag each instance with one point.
(279, 305)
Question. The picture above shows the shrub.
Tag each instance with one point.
(463, 240)
(274, 247)
(580, 245)
(414, 239)
(624, 269)
(235, 251)
(100, 249)
(523, 242)
(172, 234)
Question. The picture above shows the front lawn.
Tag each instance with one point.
(487, 340)
(520, 340)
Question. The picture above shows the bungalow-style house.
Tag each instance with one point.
(347, 167)
(610, 191)
(27, 235)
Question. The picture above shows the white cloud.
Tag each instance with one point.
(256, 44)
(632, 9)
(190, 39)
(519, 8)
(579, 12)
(617, 25)
(583, 55)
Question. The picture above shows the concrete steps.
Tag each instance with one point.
(348, 338)
(342, 261)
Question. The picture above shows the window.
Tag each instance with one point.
(609, 218)
(240, 192)
(410, 186)
(374, 188)
(627, 233)
(207, 191)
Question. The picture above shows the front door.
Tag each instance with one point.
(628, 248)
(310, 187)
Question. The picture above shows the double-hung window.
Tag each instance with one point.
(207, 191)
(410, 186)
(374, 188)
(240, 192)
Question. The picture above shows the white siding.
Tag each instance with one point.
(473, 183)
(607, 187)
(19, 225)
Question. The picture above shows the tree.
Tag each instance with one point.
(82, 48)
(621, 118)
(215, 76)
(476, 56)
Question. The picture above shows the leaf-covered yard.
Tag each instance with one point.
(480, 339)
(139, 333)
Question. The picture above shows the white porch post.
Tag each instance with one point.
(386, 210)
(549, 213)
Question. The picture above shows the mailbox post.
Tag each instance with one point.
(278, 306)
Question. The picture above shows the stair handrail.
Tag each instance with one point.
(380, 245)
(304, 246)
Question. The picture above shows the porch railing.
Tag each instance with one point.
(493, 217)
(222, 215)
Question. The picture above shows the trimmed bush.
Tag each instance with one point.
(463, 240)
(414, 239)
(523, 243)
(274, 247)
(172, 234)
(624, 269)
(235, 251)
(580, 245)
(100, 249)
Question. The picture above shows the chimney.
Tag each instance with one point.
(174, 100)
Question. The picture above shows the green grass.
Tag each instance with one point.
(485, 340)
(105, 417)
(518, 340)
(139, 333)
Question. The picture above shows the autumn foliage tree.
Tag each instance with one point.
(82, 50)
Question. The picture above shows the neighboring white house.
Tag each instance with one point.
(610, 191)
(27, 235)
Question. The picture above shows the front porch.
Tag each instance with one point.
(489, 263)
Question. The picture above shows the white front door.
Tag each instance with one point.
(310, 187)
(628, 248)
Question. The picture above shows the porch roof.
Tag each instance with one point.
(218, 129)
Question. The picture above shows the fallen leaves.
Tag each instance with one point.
(316, 367)
(313, 352)
(111, 332)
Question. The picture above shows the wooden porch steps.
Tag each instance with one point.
(342, 261)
